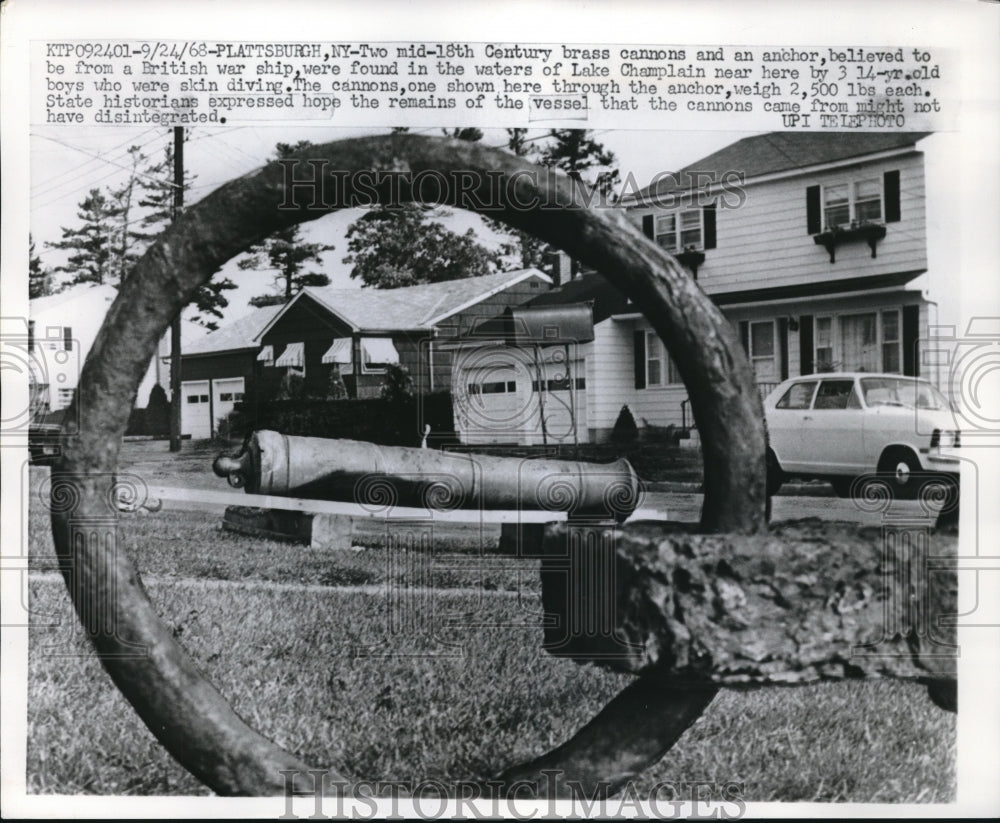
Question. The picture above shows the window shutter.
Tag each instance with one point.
(708, 236)
(639, 349)
(745, 335)
(647, 226)
(890, 183)
(806, 344)
(814, 223)
(783, 347)
(911, 335)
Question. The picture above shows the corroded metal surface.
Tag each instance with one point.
(808, 601)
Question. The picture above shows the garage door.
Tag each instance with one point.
(226, 394)
(196, 419)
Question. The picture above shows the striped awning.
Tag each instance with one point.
(291, 356)
(339, 352)
(266, 354)
(378, 351)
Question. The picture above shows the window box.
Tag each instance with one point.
(870, 233)
(691, 259)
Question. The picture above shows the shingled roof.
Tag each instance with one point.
(782, 151)
(411, 307)
(235, 335)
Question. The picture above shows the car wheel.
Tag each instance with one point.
(775, 476)
(901, 470)
(842, 485)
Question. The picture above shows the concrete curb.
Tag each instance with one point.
(814, 489)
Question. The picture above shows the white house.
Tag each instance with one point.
(810, 243)
(61, 330)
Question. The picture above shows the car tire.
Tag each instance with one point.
(901, 470)
(775, 476)
(842, 485)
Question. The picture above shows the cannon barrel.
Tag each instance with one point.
(379, 477)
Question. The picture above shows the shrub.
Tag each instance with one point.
(157, 413)
(625, 429)
(396, 423)
(136, 422)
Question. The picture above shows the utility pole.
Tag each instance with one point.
(175, 326)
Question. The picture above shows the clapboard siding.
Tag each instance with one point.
(764, 243)
(611, 382)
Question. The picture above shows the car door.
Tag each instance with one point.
(785, 422)
(833, 431)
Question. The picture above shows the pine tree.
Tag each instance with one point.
(577, 153)
(125, 241)
(39, 277)
(92, 243)
(286, 254)
(157, 197)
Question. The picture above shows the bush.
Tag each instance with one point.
(394, 423)
(136, 422)
(157, 413)
(625, 429)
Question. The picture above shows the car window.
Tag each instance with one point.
(901, 391)
(836, 394)
(798, 396)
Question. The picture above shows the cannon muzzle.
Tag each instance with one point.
(380, 477)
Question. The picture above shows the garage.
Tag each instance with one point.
(225, 395)
(196, 409)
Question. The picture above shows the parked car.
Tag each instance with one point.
(43, 443)
(844, 426)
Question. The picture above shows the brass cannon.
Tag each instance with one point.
(383, 476)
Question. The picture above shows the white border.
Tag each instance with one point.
(968, 26)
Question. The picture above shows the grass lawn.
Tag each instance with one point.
(299, 641)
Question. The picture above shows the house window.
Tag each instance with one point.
(226, 397)
(65, 396)
(762, 350)
(891, 342)
(31, 335)
(293, 358)
(679, 230)
(654, 359)
(859, 342)
(67, 338)
(377, 353)
(660, 369)
(856, 202)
